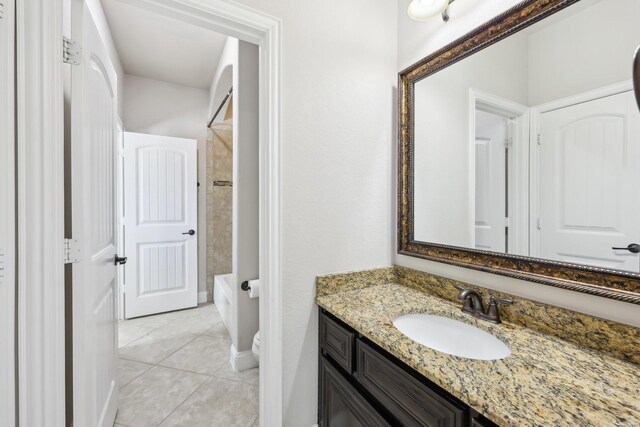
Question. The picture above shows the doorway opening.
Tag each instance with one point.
(499, 173)
(143, 150)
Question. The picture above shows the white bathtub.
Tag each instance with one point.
(222, 288)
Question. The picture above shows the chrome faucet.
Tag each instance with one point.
(474, 306)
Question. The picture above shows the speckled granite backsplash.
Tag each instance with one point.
(618, 340)
(330, 284)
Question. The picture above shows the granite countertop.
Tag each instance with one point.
(546, 381)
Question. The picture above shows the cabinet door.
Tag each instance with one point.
(340, 403)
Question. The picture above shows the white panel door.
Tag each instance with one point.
(589, 177)
(160, 224)
(7, 218)
(93, 167)
(490, 182)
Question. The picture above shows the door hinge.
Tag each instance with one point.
(71, 251)
(507, 222)
(70, 51)
(538, 224)
(2, 9)
(539, 139)
(508, 143)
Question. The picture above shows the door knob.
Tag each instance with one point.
(119, 260)
(190, 232)
(634, 248)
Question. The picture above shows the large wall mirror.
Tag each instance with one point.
(520, 148)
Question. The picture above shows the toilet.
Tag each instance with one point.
(255, 348)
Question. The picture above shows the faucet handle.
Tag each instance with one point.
(498, 300)
(493, 315)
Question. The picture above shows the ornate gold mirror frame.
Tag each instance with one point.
(619, 285)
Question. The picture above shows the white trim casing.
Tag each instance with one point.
(40, 198)
(120, 217)
(7, 218)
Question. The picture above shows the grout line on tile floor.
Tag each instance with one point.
(187, 398)
(184, 370)
(160, 327)
(208, 376)
(233, 379)
(215, 374)
(137, 376)
(178, 349)
(165, 313)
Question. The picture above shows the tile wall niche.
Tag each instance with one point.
(219, 200)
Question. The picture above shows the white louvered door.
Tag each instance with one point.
(590, 171)
(160, 176)
(93, 167)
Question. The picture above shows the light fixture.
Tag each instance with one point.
(421, 10)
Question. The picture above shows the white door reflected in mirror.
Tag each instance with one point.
(532, 146)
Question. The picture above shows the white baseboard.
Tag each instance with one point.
(203, 297)
(243, 360)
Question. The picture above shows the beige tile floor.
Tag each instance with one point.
(175, 371)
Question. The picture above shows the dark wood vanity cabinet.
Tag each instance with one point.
(342, 404)
(362, 385)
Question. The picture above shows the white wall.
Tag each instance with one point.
(161, 108)
(418, 39)
(223, 77)
(246, 209)
(338, 80)
(604, 56)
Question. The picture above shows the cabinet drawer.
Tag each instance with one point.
(337, 342)
(408, 399)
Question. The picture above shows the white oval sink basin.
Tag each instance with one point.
(451, 336)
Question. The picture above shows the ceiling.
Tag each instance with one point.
(158, 47)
